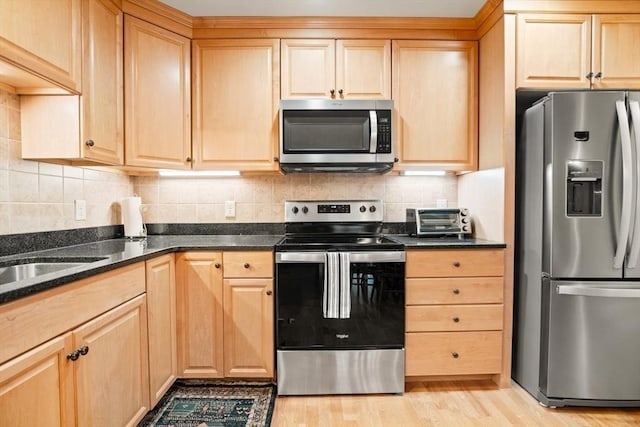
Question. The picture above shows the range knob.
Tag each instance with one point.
(465, 228)
(305, 209)
(372, 209)
(363, 208)
(465, 220)
(295, 210)
(464, 212)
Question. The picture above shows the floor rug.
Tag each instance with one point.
(196, 403)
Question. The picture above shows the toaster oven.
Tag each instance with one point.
(438, 222)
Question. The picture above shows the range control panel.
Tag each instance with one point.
(333, 211)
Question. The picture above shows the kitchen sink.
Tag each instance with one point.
(28, 268)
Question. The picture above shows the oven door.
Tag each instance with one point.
(375, 314)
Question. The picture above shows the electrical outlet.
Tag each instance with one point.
(230, 209)
(80, 207)
(441, 203)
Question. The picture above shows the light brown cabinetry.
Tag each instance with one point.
(225, 320)
(336, 68)
(161, 321)
(236, 88)
(577, 51)
(454, 315)
(157, 96)
(84, 129)
(42, 38)
(77, 370)
(436, 104)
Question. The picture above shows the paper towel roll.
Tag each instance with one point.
(132, 217)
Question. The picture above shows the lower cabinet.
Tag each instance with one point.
(454, 313)
(96, 374)
(225, 314)
(161, 320)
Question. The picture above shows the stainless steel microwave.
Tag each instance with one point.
(332, 135)
(438, 222)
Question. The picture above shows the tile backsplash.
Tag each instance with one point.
(38, 196)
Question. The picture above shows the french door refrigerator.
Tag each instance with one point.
(577, 270)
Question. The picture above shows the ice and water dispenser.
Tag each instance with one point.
(584, 188)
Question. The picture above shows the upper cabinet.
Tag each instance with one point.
(336, 68)
(43, 38)
(236, 87)
(436, 104)
(157, 96)
(580, 51)
(84, 129)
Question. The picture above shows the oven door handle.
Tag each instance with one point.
(377, 256)
(301, 257)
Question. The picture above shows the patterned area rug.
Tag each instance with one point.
(197, 403)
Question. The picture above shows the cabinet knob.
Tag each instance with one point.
(598, 75)
(455, 354)
(456, 319)
(456, 291)
(246, 265)
(456, 263)
(84, 350)
(333, 93)
(188, 160)
(341, 92)
(90, 143)
(276, 159)
(269, 292)
(73, 356)
(590, 75)
(216, 265)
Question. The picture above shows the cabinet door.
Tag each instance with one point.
(248, 328)
(435, 95)
(161, 315)
(102, 90)
(112, 384)
(199, 314)
(44, 37)
(553, 51)
(36, 388)
(615, 51)
(363, 69)
(157, 96)
(308, 68)
(235, 104)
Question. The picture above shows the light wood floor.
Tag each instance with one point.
(443, 404)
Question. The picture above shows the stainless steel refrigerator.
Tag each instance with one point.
(577, 270)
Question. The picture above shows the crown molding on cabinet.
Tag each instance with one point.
(160, 14)
(571, 6)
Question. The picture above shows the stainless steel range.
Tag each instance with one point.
(340, 298)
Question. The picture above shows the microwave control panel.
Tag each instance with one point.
(384, 131)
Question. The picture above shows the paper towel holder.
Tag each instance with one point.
(134, 227)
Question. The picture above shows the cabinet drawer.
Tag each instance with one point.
(453, 353)
(457, 290)
(248, 264)
(454, 318)
(455, 263)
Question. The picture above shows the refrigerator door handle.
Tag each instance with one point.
(634, 107)
(627, 183)
(594, 291)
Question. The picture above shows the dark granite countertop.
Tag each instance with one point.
(412, 242)
(120, 252)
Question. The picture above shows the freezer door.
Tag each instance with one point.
(590, 340)
(583, 185)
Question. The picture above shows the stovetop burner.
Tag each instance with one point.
(335, 225)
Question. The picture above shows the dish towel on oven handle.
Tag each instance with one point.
(336, 296)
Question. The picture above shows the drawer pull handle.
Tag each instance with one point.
(455, 354)
(456, 319)
(73, 356)
(216, 265)
(456, 291)
(84, 350)
(456, 264)
(246, 265)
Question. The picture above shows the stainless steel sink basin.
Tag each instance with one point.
(32, 267)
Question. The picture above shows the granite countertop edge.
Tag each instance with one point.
(116, 253)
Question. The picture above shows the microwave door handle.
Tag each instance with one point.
(627, 182)
(373, 120)
(634, 107)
